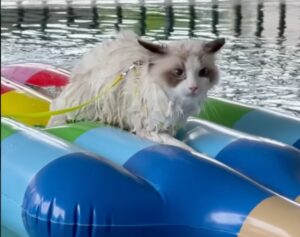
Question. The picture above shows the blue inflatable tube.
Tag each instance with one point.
(252, 156)
(253, 120)
(52, 188)
(273, 164)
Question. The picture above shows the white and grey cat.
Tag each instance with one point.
(155, 97)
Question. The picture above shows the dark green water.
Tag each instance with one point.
(260, 63)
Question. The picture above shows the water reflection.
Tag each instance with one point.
(260, 61)
(169, 20)
(282, 24)
(260, 20)
(192, 14)
(93, 15)
(46, 16)
(70, 16)
(20, 18)
(238, 19)
(143, 26)
(119, 14)
(215, 19)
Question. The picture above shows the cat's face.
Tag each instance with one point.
(185, 69)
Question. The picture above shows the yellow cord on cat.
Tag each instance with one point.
(105, 90)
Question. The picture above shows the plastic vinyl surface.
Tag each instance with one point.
(16, 98)
(36, 74)
(142, 197)
(253, 120)
(273, 164)
(52, 188)
(247, 154)
(240, 117)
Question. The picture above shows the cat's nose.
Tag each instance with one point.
(194, 89)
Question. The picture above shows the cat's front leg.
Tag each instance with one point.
(57, 120)
(165, 138)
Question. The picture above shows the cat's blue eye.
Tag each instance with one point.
(203, 72)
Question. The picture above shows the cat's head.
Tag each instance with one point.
(184, 69)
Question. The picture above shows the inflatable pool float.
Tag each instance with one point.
(244, 118)
(66, 191)
(253, 120)
(112, 183)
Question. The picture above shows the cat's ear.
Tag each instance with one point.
(214, 46)
(154, 48)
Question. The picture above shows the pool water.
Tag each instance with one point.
(260, 64)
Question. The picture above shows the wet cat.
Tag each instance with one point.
(162, 85)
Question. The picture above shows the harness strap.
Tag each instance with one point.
(103, 92)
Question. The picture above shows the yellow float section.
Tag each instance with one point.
(36, 106)
(274, 216)
(24, 100)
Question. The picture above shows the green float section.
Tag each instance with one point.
(72, 131)
(6, 130)
(223, 112)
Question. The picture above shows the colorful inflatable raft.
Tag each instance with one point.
(87, 179)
